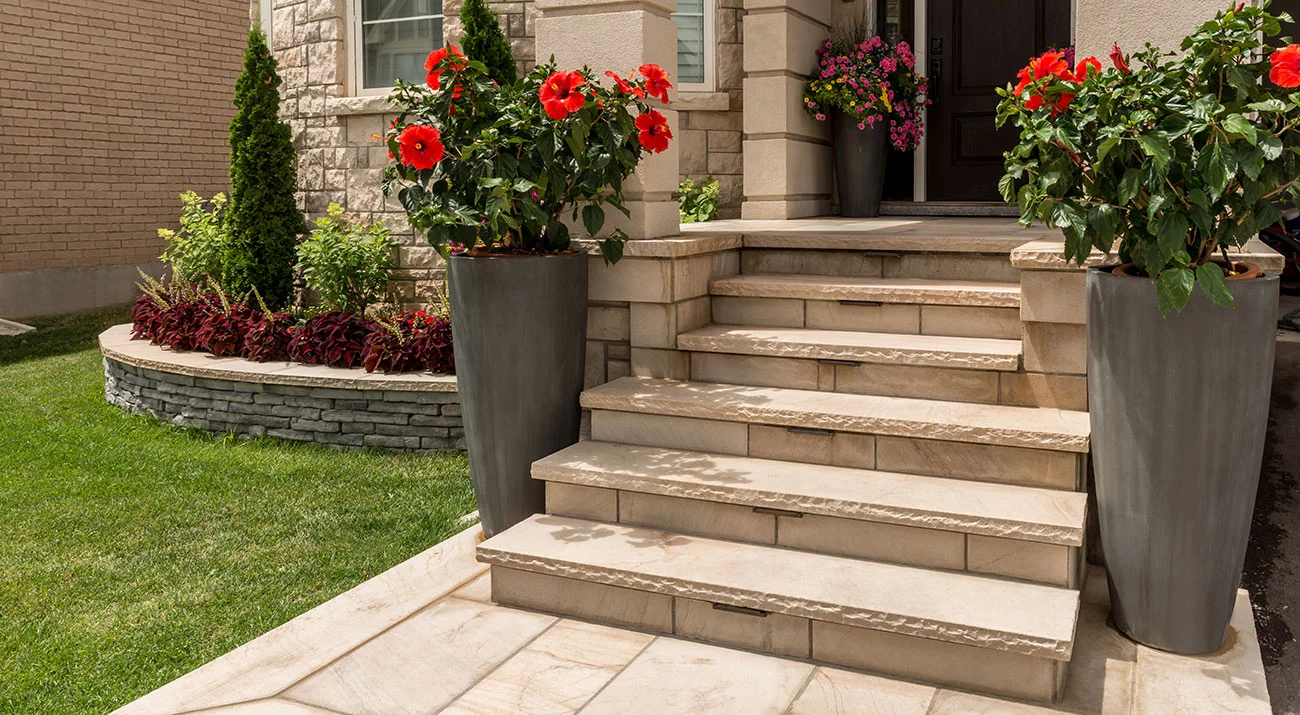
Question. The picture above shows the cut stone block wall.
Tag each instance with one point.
(344, 418)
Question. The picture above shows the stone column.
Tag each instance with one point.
(621, 36)
(1100, 23)
(788, 164)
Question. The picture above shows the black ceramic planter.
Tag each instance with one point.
(859, 165)
(519, 326)
(1179, 408)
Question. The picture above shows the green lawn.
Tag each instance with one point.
(132, 552)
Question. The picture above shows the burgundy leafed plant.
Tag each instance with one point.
(267, 336)
(335, 338)
(409, 343)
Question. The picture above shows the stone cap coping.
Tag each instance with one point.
(671, 247)
(9, 327)
(1049, 255)
(933, 234)
(116, 344)
(366, 104)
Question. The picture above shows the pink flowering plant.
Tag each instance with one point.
(872, 81)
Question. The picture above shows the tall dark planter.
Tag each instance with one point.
(1179, 407)
(859, 165)
(519, 326)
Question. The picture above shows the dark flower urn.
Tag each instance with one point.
(519, 330)
(859, 165)
(1179, 409)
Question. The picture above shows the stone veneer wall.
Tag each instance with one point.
(711, 124)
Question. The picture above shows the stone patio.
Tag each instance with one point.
(425, 637)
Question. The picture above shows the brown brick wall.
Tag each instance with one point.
(108, 110)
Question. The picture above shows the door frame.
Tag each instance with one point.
(921, 48)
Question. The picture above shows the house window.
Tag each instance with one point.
(695, 44)
(391, 39)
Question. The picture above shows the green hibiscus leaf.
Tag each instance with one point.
(1210, 277)
(1241, 126)
(1171, 232)
(1158, 148)
(593, 218)
(1173, 288)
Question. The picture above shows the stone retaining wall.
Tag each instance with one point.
(372, 412)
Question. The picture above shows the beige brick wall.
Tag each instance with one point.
(711, 139)
(108, 110)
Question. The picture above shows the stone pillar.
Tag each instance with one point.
(621, 36)
(788, 164)
(1100, 23)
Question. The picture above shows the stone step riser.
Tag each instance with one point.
(1051, 564)
(995, 268)
(932, 661)
(908, 455)
(936, 383)
(904, 318)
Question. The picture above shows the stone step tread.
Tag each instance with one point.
(1048, 516)
(1033, 427)
(884, 290)
(981, 611)
(890, 348)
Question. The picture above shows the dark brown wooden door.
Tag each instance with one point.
(975, 46)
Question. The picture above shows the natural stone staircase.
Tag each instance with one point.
(851, 476)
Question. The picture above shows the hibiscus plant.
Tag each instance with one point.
(496, 169)
(1168, 158)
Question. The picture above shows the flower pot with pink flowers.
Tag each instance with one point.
(493, 176)
(1169, 161)
(870, 92)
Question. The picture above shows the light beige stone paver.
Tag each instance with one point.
(832, 315)
(556, 674)
(272, 662)
(674, 677)
(425, 662)
(891, 290)
(679, 432)
(842, 692)
(1042, 428)
(1048, 254)
(1026, 513)
(1101, 674)
(892, 233)
(9, 327)
(1025, 618)
(892, 348)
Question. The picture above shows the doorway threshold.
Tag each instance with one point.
(948, 208)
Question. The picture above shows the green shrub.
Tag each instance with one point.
(484, 41)
(346, 261)
(194, 253)
(264, 220)
(697, 204)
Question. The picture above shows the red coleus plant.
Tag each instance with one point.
(410, 342)
(335, 338)
(267, 336)
(521, 163)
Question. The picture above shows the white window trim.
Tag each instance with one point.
(709, 84)
(356, 52)
(265, 14)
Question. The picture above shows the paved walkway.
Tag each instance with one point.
(424, 637)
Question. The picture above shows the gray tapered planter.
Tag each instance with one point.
(1179, 407)
(519, 326)
(859, 165)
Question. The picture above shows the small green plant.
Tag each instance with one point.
(697, 203)
(484, 41)
(264, 217)
(194, 253)
(346, 261)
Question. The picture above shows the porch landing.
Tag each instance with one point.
(424, 637)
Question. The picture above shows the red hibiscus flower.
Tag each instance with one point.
(435, 58)
(1086, 68)
(1117, 58)
(624, 86)
(1286, 67)
(1051, 64)
(561, 94)
(655, 133)
(656, 81)
(421, 146)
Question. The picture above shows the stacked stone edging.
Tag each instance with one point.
(345, 411)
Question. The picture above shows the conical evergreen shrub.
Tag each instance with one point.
(263, 219)
(484, 41)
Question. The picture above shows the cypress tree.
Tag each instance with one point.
(484, 41)
(264, 220)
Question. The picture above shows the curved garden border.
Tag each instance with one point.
(415, 412)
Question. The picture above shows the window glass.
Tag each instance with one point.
(690, 41)
(396, 37)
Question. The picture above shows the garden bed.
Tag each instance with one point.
(347, 408)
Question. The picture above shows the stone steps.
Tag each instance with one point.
(979, 632)
(881, 264)
(912, 291)
(1021, 532)
(998, 425)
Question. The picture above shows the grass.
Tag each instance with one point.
(132, 552)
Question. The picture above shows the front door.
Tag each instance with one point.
(975, 46)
